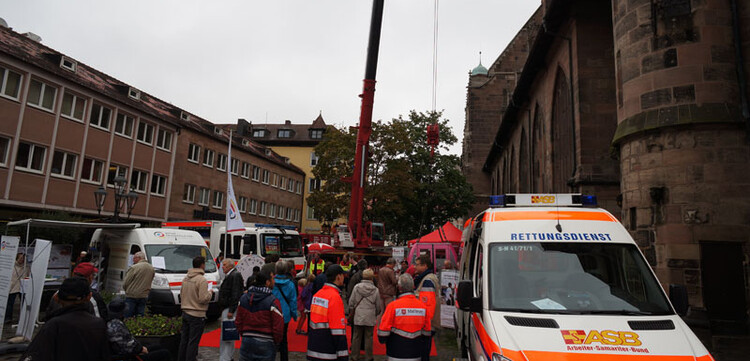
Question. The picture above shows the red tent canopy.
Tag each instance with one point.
(446, 233)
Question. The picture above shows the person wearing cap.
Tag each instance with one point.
(96, 306)
(71, 332)
(195, 296)
(137, 285)
(366, 304)
(327, 335)
(121, 341)
(405, 324)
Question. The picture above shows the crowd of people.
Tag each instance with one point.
(403, 306)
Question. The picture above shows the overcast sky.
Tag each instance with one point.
(276, 60)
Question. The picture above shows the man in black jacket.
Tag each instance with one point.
(230, 291)
(71, 332)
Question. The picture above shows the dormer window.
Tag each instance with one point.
(134, 93)
(316, 133)
(68, 64)
(268, 152)
(217, 131)
(284, 133)
(259, 133)
(246, 142)
(184, 116)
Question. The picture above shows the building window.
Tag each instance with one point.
(204, 195)
(284, 133)
(194, 153)
(73, 106)
(289, 214)
(124, 125)
(4, 151)
(188, 195)
(30, 157)
(290, 185)
(262, 209)
(253, 206)
(316, 133)
(313, 159)
(310, 213)
(296, 215)
(266, 176)
(282, 182)
(164, 140)
(271, 210)
(158, 185)
(114, 171)
(138, 181)
(42, 95)
(235, 166)
(64, 164)
(91, 170)
(314, 185)
(100, 116)
(259, 133)
(145, 133)
(245, 170)
(299, 187)
(208, 158)
(218, 200)
(275, 182)
(221, 162)
(256, 173)
(10, 85)
(280, 214)
(242, 204)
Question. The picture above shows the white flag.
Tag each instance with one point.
(234, 220)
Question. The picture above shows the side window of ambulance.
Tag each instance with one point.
(134, 249)
(222, 245)
(250, 245)
(236, 247)
(478, 272)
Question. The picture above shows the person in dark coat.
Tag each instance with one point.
(121, 341)
(71, 332)
(230, 291)
(357, 276)
(260, 320)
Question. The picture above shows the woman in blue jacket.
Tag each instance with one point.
(286, 293)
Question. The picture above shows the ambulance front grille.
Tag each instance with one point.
(532, 322)
(651, 325)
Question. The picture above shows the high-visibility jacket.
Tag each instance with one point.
(429, 292)
(346, 267)
(403, 328)
(326, 338)
(317, 268)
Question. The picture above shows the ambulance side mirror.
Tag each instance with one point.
(679, 298)
(466, 299)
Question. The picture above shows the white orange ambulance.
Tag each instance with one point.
(544, 277)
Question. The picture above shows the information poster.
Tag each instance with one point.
(8, 251)
(58, 267)
(272, 244)
(448, 284)
(398, 253)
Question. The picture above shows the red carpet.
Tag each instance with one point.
(297, 343)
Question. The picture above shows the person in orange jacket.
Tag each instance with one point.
(405, 326)
(327, 331)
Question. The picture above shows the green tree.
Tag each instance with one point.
(407, 189)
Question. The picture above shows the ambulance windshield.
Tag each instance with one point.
(573, 278)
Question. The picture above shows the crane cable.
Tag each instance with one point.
(435, 55)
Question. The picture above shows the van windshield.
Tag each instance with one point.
(573, 278)
(178, 258)
(285, 245)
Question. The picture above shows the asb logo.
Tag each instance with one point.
(542, 199)
(159, 234)
(605, 337)
(232, 209)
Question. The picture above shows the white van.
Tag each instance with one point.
(545, 278)
(174, 248)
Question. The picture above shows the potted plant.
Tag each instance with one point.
(153, 329)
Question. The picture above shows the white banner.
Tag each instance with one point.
(32, 288)
(398, 253)
(8, 251)
(234, 220)
(448, 284)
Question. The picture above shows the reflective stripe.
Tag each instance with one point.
(426, 333)
(384, 333)
(323, 356)
(96, 307)
(390, 358)
(338, 331)
(343, 353)
(406, 334)
(319, 325)
(427, 289)
(274, 309)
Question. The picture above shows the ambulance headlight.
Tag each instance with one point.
(160, 281)
(499, 357)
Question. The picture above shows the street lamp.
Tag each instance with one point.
(122, 198)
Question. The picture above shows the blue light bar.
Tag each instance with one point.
(588, 200)
(497, 201)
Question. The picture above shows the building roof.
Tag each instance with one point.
(479, 70)
(297, 135)
(37, 54)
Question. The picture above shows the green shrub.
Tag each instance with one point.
(154, 325)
